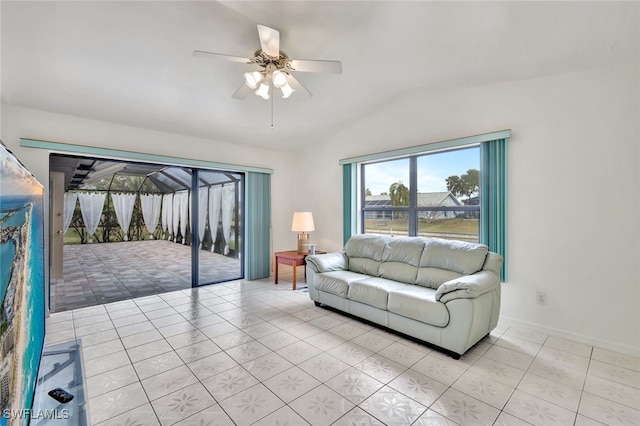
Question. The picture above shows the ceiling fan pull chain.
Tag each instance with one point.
(271, 112)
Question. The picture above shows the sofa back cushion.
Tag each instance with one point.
(365, 253)
(443, 260)
(401, 258)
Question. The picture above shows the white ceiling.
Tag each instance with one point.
(132, 63)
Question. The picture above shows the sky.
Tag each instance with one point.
(433, 170)
(14, 178)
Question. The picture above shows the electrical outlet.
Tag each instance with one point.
(541, 298)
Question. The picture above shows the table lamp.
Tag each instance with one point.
(303, 224)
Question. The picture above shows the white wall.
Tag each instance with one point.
(574, 191)
(574, 208)
(40, 125)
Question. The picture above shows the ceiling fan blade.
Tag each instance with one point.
(269, 40)
(242, 92)
(308, 65)
(212, 55)
(300, 92)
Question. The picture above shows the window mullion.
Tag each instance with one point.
(413, 196)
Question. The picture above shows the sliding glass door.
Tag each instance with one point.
(218, 243)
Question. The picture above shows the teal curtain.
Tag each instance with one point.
(258, 225)
(493, 198)
(349, 195)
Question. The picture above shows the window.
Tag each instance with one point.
(480, 213)
(430, 195)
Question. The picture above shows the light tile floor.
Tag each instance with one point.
(110, 272)
(255, 353)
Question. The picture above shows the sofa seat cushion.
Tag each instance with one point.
(337, 282)
(418, 303)
(373, 291)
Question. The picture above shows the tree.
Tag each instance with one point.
(399, 194)
(467, 184)
(367, 192)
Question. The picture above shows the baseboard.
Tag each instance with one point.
(576, 337)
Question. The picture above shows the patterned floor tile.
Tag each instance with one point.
(167, 382)
(537, 411)
(157, 364)
(402, 354)
(372, 341)
(228, 383)
(483, 389)
(114, 403)
(110, 380)
(299, 352)
(464, 409)
(392, 408)
(358, 417)
(321, 406)
(431, 418)
(613, 391)
(620, 360)
(278, 340)
(502, 373)
(212, 416)
(107, 363)
(383, 369)
(550, 391)
(251, 405)
(267, 366)
(213, 364)
(438, 369)
(283, 416)
(317, 360)
(350, 353)
(140, 416)
(291, 384)
(354, 385)
(182, 404)
(607, 412)
(323, 366)
(615, 373)
(198, 351)
(419, 387)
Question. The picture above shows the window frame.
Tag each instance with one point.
(412, 210)
(494, 159)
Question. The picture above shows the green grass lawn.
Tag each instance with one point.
(425, 226)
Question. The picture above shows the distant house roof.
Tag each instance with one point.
(425, 199)
(432, 199)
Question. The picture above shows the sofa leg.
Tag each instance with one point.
(318, 304)
(455, 356)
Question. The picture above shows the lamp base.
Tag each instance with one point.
(303, 243)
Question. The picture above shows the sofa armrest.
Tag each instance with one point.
(328, 262)
(467, 286)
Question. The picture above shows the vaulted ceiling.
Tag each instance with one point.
(132, 63)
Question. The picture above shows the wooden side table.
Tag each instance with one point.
(293, 258)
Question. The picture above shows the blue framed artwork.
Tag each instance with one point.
(22, 313)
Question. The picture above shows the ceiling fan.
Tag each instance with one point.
(274, 68)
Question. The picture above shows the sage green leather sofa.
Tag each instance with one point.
(444, 292)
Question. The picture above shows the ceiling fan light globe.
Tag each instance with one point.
(279, 79)
(252, 79)
(286, 91)
(263, 91)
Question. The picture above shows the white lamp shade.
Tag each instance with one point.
(252, 79)
(279, 79)
(303, 222)
(263, 91)
(286, 91)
